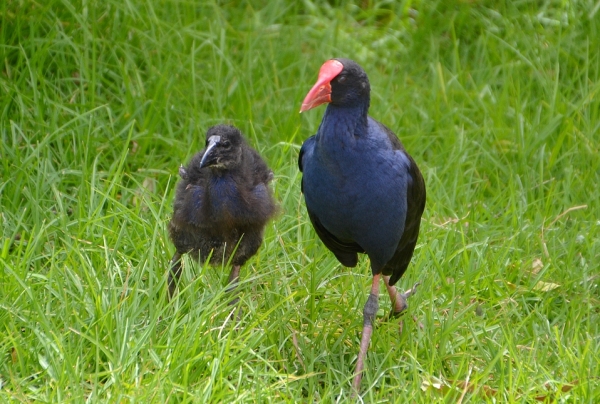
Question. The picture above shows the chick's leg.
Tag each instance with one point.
(174, 273)
(234, 278)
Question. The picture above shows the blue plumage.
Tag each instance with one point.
(355, 183)
(364, 193)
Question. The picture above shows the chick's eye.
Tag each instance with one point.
(225, 144)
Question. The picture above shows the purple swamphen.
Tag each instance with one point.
(222, 204)
(364, 193)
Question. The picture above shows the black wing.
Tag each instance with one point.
(416, 196)
(344, 251)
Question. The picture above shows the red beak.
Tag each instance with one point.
(321, 91)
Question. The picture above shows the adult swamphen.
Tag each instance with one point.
(222, 204)
(364, 193)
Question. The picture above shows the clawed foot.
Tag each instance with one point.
(399, 300)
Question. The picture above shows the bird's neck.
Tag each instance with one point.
(220, 172)
(345, 120)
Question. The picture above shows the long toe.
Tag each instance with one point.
(411, 291)
(400, 303)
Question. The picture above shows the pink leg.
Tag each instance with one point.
(369, 313)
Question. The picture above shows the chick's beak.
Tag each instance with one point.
(209, 158)
(320, 93)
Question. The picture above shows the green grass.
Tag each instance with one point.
(101, 101)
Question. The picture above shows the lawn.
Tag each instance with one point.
(100, 102)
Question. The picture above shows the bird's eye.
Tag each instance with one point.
(341, 79)
(225, 143)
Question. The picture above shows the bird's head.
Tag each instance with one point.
(223, 147)
(341, 82)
